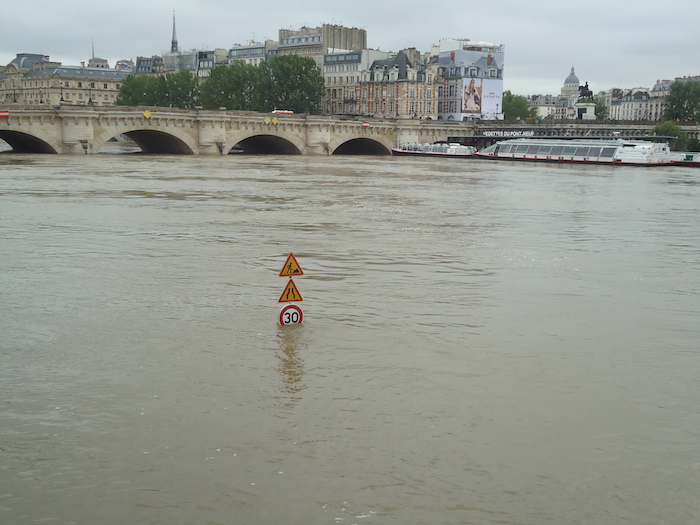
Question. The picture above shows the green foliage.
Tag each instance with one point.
(141, 91)
(669, 129)
(692, 145)
(516, 107)
(601, 110)
(284, 82)
(232, 87)
(291, 82)
(180, 90)
(683, 101)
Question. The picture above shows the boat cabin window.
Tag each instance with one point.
(581, 152)
(545, 150)
(594, 152)
(533, 149)
(557, 150)
(569, 150)
(521, 148)
(491, 148)
(608, 152)
(505, 148)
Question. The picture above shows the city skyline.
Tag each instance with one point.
(609, 46)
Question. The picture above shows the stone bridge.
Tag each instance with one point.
(85, 130)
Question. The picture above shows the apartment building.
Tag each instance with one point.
(316, 42)
(472, 80)
(35, 79)
(401, 86)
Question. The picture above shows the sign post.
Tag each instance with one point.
(291, 313)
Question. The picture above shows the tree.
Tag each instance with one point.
(142, 90)
(291, 82)
(516, 107)
(181, 90)
(669, 129)
(683, 101)
(692, 145)
(601, 110)
(232, 87)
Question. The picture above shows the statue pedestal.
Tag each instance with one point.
(585, 110)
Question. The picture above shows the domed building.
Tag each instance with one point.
(571, 85)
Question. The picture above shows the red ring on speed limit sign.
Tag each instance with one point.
(291, 314)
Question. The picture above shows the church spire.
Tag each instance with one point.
(173, 43)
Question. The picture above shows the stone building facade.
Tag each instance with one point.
(316, 42)
(34, 79)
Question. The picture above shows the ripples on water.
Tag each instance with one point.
(483, 342)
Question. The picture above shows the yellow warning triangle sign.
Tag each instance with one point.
(291, 267)
(290, 294)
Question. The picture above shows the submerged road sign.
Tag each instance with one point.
(290, 293)
(291, 314)
(291, 267)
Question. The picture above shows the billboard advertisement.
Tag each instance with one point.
(482, 96)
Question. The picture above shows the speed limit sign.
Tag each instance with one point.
(291, 314)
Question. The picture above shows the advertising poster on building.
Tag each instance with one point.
(471, 99)
(491, 98)
(482, 97)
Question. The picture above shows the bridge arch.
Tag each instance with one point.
(360, 146)
(22, 142)
(264, 143)
(173, 141)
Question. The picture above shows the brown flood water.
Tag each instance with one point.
(483, 343)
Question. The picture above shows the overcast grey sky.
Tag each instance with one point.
(611, 44)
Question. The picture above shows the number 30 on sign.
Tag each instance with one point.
(291, 314)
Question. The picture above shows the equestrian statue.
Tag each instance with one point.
(585, 92)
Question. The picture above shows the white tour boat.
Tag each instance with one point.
(593, 151)
(688, 158)
(434, 150)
